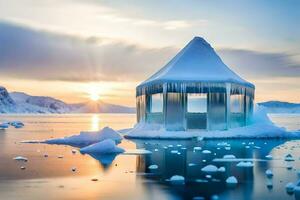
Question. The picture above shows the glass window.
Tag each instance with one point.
(156, 103)
(236, 103)
(196, 103)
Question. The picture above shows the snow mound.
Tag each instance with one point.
(107, 146)
(87, 138)
(229, 156)
(260, 127)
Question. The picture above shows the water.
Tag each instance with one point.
(128, 176)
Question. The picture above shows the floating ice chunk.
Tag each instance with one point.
(17, 124)
(94, 179)
(269, 157)
(170, 145)
(214, 197)
(155, 149)
(227, 148)
(107, 146)
(153, 167)
(74, 151)
(60, 156)
(4, 125)
(73, 169)
(230, 156)
(210, 169)
(198, 198)
(191, 164)
(208, 176)
(289, 167)
(22, 167)
(231, 180)
(269, 184)
(46, 155)
(177, 180)
(257, 147)
(137, 152)
(178, 145)
(289, 158)
(197, 148)
(245, 164)
(87, 138)
(201, 180)
(174, 151)
(221, 169)
(269, 173)
(21, 158)
(206, 152)
(290, 187)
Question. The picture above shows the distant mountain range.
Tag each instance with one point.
(281, 107)
(19, 102)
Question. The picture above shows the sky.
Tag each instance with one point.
(70, 49)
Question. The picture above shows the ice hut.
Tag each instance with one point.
(195, 90)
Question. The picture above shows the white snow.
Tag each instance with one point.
(177, 180)
(245, 164)
(210, 169)
(260, 127)
(231, 180)
(107, 146)
(153, 167)
(197, 148)
(86, 137)
(21, 158)
(197, 61)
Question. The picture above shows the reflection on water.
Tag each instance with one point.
(95, 122)
(128, 176)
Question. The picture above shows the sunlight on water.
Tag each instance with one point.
(95, 120)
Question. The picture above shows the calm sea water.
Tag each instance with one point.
(128, 176)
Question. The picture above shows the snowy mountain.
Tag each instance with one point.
(7, 104)
(19, 102)
(281, 107)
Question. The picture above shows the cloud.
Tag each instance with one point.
(39, 55)
(258, 65)
(32, 54)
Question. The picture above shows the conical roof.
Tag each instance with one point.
(196, 62)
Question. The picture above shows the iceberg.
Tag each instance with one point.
(21, 158)
(107, 146)
(87, 138)
(245, 164)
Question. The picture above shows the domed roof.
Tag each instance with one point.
(196, 62)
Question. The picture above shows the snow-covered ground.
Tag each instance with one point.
(260, 127)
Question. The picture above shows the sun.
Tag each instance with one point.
(94, 96)
(94, 93)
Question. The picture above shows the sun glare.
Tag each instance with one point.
(94, 96)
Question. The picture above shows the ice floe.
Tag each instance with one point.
(269, 173)
(290, 187)
(209, 169)
(107, 146)
(153, 167)
(231, 180)
(87, 138)
(245, 164)
(177, 180)
(21, 158)
(137, 152)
